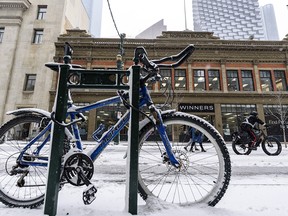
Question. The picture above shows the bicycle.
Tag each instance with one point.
(166, 170)
(270, 145)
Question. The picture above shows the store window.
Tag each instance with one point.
(1, 34)
(232, 80)
(180, 79)
(30, 82)
(38, 36)
(274, 115)
(214, 80)
(42, 10)
(199, 80)
(280, 80)
(108, 116)
(166, 78)
(247, 80)
(265, 79)
(232, 116)
(83, 127)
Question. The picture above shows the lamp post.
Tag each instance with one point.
(119, 64)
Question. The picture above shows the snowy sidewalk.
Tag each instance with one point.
(258, 187)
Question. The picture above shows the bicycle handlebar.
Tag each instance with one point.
(140, 55)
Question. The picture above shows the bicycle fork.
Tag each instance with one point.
(163, 134)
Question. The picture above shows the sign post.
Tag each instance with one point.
(56, 148)
(133, 141)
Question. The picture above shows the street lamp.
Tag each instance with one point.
(119, 64)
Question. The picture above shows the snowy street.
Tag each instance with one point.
(258, 186)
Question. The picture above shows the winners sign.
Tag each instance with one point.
(187, 107)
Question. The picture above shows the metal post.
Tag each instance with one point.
(56, 148)
(132, 159)
(119, 64)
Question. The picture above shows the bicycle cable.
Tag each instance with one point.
(127, 104)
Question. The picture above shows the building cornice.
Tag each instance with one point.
(22, 4)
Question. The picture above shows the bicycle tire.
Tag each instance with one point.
(271, 146)
(240, 150)
(16, 188)
(203, 176)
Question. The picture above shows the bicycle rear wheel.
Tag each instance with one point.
(271, 146)
(203, 177)
(22, 185)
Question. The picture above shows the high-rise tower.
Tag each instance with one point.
(269, 21)
(229, 19)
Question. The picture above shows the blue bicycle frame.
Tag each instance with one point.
(107, 136)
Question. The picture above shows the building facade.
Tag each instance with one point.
(28, 30)
(237, 19)
(269, 21)
(223, 80)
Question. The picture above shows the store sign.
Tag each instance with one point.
(187, 107)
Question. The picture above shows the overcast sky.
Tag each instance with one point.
(134, 16)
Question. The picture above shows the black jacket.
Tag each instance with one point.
(252, 120)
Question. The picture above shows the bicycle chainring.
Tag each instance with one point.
(74, 163)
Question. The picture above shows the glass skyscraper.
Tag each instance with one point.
(270, 25)
(229, 19)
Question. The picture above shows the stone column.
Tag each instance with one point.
(91, 123)
(218, 118)
(257, 76)
(224, 77)
(190, 77)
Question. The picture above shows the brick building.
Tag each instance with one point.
(222, 81)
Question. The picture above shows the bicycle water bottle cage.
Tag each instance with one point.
(98, 131)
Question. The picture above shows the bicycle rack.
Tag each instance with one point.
(79, 78)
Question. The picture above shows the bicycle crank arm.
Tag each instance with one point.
(90, 191)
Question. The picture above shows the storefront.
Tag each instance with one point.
(232, 116)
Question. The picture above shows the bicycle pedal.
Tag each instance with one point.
(89, 194)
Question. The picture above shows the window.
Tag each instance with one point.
(1, 34)
(265, 79)
(214, 80)
(280, 80)
(38, 36)
(232, 117)
(232, 80)
(199, 80)
(180, 79)
(247, 80)
(30, 82)
(166, 78)
(42, 9)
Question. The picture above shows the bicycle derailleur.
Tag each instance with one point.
(78, 170)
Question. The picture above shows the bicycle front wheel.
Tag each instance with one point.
(22, 185)
(203, 176)
(271, 146)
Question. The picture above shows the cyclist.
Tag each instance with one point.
(249, 124)
(196, 136)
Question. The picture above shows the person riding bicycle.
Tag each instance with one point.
(249, 124)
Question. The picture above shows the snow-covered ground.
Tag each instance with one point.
(258, 187)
